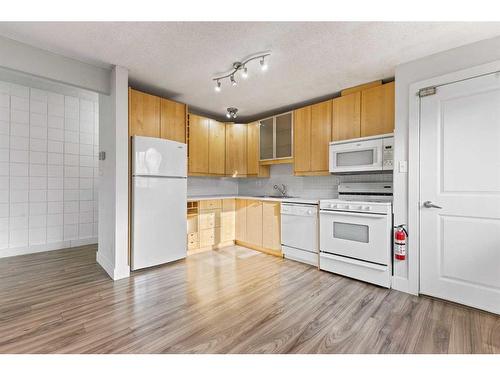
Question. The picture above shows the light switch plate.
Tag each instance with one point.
(403, 166)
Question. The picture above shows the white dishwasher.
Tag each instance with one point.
(299, 232)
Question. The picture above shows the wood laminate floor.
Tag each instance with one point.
(232, 300)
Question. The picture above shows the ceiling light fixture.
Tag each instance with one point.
(232, 113)
(241, 65)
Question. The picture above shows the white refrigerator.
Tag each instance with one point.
(159, 196)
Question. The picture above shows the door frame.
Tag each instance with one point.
(413, 180)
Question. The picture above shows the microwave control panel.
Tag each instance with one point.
(388, 153)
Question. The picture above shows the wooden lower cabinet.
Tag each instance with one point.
(254, 223)
(222, 222)
(228, 220)
(241, 220)
(271, 225)
(258, 225)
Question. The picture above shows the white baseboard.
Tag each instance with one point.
(46, 247)
(107, 265)
(402, 284)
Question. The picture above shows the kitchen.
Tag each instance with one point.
(230, 205)
(350, 134)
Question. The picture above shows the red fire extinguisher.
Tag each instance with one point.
(400, 236)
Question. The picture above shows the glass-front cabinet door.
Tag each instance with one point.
(267, 139)
(276, 137)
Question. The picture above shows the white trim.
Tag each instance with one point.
(107, 265)
(46, 247)
(414, 162)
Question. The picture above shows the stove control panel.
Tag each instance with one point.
(362, 207)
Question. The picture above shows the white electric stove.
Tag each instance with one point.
(355, 232)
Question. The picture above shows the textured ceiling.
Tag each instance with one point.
(309, 60)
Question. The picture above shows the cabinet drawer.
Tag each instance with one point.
(209, 219)
(193, 237)
(210, 204)
(209, 237)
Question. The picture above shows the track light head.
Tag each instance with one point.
(217, 87)
(244, 74)
(263, 64)
(233, 81)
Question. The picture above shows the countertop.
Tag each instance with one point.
(194, 198)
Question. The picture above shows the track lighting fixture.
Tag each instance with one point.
(241, 65)
(232, 113)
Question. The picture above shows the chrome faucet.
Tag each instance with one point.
(281, 188)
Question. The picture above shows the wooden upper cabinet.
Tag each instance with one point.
(236, 150)
(173, 120)
(253, 154)
(302, 139)
(377, 110)
(321, 134)
(144, 114)
(216, 147)
(346, 117)
(271, 215)
(198, 144)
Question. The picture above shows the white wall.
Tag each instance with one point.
(24, 58)
(112, 252)
(432, 66)
(48, 146)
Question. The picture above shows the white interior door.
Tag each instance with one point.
(460, 172)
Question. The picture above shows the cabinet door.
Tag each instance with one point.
(216, 147)
(198, 144)
(236, 150)
(346, 120)
(241, 220)
(144, 114)
(253, 159)
(228, 220)
(271, 236)
(254, 223)
(173, 121)
(377, 110)
(284, 135)
(266, 130)
(302, 139)
(321, 133)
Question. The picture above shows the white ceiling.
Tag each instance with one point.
(310, 60)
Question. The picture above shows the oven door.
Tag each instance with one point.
(356, 156)
(362, 236)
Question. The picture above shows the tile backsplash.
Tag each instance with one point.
(305, 187)
(212, 186)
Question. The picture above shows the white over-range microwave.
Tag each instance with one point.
(368, 154)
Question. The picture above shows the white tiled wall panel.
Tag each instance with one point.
(306, 187)
(48, 160)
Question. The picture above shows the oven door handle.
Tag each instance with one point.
(362, 214)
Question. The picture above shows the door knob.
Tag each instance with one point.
(429, 204)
